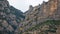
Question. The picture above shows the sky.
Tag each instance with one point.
(23, 5)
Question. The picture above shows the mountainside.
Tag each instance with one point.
(43, 19)
(46, 27)
(10, 18)
(17, 12)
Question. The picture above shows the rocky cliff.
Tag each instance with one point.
(10, 18)
(47, 12)
(41, 19)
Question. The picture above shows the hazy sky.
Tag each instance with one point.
(23, 5)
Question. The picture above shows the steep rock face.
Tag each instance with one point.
(10, 18)
(46, 27)
(46, 11)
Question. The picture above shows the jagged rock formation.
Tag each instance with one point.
(10, 18)
(41, 19)
(46, 11)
